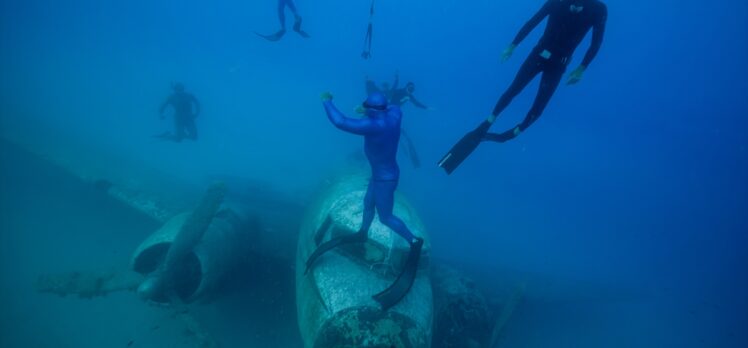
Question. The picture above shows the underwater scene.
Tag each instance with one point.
(374, 173)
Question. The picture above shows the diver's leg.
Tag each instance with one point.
(178, 128)
(297, 19)
(384, 199)
(548, 84)
(292, 7)
(191, 129)
(529, 69)
(470, 141)
(369, 205)
(282, 13)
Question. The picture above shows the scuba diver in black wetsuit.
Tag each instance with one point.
(282, 4)
(184, 117)
(381, 131)
(568, 23)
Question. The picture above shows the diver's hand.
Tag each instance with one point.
(508, 52)
(326, 96)
(491, 118)
(576, 75)
(359, 109)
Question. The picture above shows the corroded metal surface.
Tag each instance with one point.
(216, 254)
(462, 313)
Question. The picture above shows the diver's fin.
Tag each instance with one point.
(393, 294)
(358, 237)
(322, 230)
(411, 150)
(464, 148)
(273, 37)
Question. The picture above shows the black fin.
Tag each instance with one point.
(393, 294)
(273, 37)
(358, 237)
(322, 230)
(464, 148)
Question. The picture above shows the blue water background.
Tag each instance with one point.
(624, 208)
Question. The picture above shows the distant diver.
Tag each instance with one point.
(282, 4)
(381, 131)
(568, 23)
(366, 53)
(400, 96)
(184, 117)
(397, 96)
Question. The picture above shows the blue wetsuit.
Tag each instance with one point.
(381, 131)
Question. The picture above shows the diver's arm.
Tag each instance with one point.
(532, 23)
(197, 105)
(417, 103)
(163, 106)
(598, 31)
(361, 126)
(396, 82)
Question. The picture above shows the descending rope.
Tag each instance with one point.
(366, 54)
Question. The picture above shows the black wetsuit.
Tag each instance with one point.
(395, 96)
(400, 96)
(568, 23)
(184, 117)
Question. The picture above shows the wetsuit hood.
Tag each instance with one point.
(376, 101)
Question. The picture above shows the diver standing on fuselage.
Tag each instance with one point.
(381, 131)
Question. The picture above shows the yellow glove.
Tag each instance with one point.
(576, 75)
(326, 96)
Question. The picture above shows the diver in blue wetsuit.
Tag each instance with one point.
(381, 131)
(282, 4)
